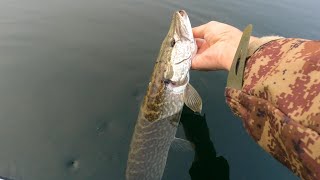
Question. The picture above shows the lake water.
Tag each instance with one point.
(72, 75)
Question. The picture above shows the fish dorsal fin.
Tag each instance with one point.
(182, 145)
(192, 99)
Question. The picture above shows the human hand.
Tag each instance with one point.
(217, 44)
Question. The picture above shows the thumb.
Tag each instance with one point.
(205, 62)
(197, 62)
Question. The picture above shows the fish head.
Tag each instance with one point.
(181, 48)
(170, 77)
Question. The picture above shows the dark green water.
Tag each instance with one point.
(72, 75)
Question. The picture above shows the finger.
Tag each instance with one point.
(203, 47)
(205, 61)
(200, 42)
(196, 62)
(200, 31)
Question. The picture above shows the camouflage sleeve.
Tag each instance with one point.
(279, 103)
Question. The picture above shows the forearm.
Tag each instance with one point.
(279, 102)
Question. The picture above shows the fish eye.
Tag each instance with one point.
(167, 81)
(172, 43)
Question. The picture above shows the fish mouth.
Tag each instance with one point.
(182, 13)
(183, 27)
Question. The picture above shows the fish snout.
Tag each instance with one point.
(182, 13)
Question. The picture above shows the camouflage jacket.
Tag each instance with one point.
(279, 102)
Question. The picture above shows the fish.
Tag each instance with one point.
(160, 110)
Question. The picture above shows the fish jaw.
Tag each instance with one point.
(184, 49)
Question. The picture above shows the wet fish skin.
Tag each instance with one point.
(161, 108)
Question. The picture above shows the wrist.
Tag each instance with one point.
(252, 39)
(255, 44)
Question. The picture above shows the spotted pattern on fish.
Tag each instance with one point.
(153, 102)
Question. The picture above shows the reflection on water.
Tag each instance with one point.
(72, 75)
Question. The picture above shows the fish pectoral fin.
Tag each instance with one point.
(192, 99)
(183, 145)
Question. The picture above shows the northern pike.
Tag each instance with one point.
(162, 105)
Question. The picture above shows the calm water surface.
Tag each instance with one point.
(72, 75)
